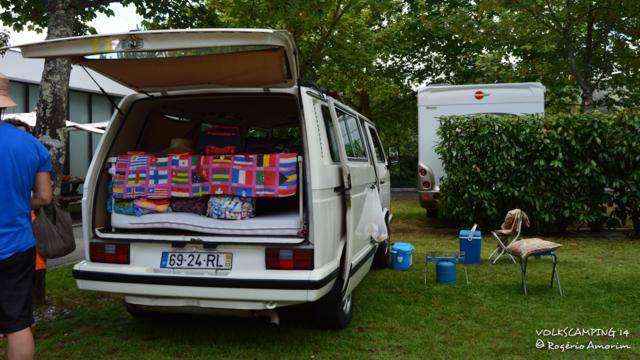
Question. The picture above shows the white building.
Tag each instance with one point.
(86, 103)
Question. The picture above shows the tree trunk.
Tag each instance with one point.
(365, 104)
(635, 220)
(587, 99)
(51, 110)
(54, 91)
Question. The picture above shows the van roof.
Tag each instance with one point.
(445, 87)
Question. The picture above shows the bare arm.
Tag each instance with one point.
(42, 191)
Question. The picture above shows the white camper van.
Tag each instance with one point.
(311, 237)
(442, 100)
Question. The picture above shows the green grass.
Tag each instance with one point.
(396, 315)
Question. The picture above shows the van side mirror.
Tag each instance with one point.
(394, 155)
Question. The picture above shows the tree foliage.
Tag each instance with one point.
(377, 53)
(589, 45)
(34, 14)
(4, 40)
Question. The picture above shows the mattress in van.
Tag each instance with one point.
(281, 224)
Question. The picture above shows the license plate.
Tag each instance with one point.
(196, 260)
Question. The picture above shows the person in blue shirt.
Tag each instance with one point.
(25, 184)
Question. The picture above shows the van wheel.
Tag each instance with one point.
(382, 258)
(432, 213)
(332, 311)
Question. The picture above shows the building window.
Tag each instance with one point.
(18, 92)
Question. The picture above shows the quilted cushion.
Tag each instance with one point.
(527, 247)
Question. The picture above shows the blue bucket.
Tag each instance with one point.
(446, 272)
(471, 245)
(401, 257)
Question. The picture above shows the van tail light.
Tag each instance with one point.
(423, 172)
(289, 259)
(109, 253)
(426, 185)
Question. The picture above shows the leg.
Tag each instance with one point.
(498, 256)
(466, 274)
(498, 250)
(555, 272)
(20, 345)
(425, 272)
(492, 253)
(17, 275)
(38, 288)
(523, 268)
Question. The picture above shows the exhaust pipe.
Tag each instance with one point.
(269, 312)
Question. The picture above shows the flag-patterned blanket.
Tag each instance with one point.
(187, 176)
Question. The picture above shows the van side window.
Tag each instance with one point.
(331, 134)
(377, 146)
(351, 136)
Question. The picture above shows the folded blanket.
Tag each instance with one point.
(124, 207)
(158, 206)
(188, 176)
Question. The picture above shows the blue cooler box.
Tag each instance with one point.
(471, 245)
(401, 257)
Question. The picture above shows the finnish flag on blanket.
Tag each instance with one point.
(159, 185)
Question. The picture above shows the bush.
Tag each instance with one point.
(555, 168)
(625, 168)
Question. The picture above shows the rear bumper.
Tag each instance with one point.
(428, 198)
(163, 289)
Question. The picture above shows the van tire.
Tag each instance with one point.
(432, 213)
(331, 312)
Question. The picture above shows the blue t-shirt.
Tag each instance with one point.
(21, 157)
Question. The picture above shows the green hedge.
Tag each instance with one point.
(556, 168)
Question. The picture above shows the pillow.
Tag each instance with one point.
(231, 207)
(527, 247)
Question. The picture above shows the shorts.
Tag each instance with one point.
(17, 274)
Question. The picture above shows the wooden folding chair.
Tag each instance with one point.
(504, 237)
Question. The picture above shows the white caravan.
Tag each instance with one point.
(442, 100)
(315, 246)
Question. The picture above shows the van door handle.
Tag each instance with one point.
(383, 181)
(372, 186)
(340, 189)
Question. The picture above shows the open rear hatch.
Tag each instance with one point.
(163, 60)
(167, 60)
